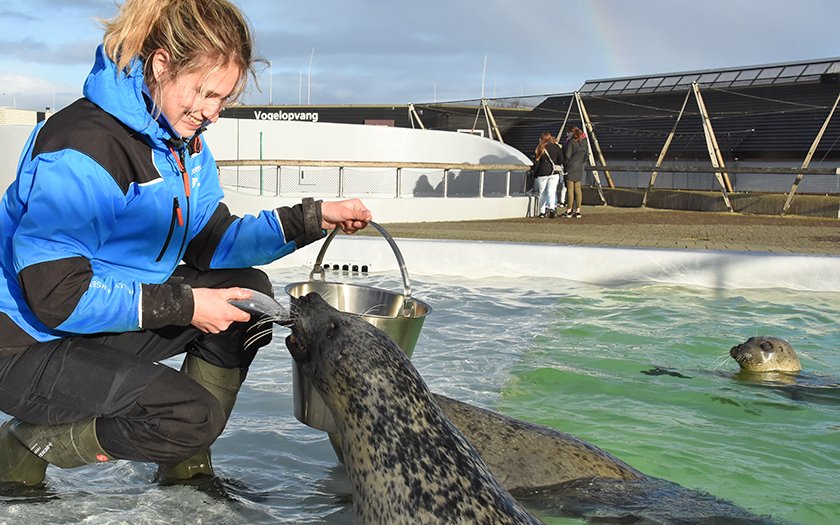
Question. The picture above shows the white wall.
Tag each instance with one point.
(426, 209)
(12, 140)
(590, 264)
(232, 139)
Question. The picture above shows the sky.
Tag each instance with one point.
(398, 52)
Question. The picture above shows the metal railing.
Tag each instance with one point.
(276, 177)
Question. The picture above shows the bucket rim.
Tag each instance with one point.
(409, 300)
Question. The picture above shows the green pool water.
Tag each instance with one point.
(771, 450)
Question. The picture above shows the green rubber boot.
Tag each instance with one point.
(17, 463)
(66, 446)
(224, 384)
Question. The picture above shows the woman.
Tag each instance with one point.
(547, 167)
(574, 153)
(112, 194)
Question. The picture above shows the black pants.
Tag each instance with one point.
(145, 411)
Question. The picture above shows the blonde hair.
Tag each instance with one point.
(195, 34)
(545, 138)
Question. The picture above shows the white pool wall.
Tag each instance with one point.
(589, 264)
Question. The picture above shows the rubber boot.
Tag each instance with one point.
(224, 384)
(17, 463)
(66, 446)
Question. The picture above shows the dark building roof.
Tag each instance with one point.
(759, 112)
(781, 73)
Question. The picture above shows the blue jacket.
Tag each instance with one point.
(101, 213)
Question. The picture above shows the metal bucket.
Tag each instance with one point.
(399, 315)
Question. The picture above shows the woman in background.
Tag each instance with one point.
(574, 154)
(547, 168)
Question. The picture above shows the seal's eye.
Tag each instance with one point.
(331, 328)
(766, 346)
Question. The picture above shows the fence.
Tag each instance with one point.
(373, 179)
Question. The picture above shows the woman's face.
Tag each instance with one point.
(190, 99)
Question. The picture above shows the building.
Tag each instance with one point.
(768, 115)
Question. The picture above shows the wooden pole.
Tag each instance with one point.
(665, 147)
(565, 119)
(711, 145)
(591, 133)
(486, 118)
(589, 152)
(412, 115)
(493, 122)
(809, 156)
(475, 122)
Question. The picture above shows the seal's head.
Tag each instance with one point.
(766, 354)
(346, 358)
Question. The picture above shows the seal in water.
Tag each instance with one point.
(772, 362)
(406, 461)
(766, 354)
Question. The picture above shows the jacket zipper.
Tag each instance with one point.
(186, 178)
(176, 217)
(177, 214)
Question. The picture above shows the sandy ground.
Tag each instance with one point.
(645, 227)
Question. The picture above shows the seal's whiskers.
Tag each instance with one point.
(258, 335)
(721, 361)
(376, 309)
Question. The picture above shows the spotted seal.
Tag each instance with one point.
(766, 354)
(406, 461)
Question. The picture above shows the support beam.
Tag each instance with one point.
(565, 119)
(809, 156)
(665, 147)
(712, 146)
(494, 126)
(591, 133)
(414, 116)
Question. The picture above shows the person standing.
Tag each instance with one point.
(547, 172)
(574, 154)
(117, 253)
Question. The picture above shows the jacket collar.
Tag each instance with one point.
(124, 95)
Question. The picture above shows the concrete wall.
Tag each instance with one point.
(596, 265)
(12, 140)
(232, 139)
(384, 210)
(19, 117)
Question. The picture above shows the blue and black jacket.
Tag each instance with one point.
(108, 200)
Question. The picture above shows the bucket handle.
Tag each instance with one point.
(318, 269)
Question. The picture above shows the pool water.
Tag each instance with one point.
(567, 355)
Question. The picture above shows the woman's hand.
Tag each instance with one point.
(349, 215)
(213, 313)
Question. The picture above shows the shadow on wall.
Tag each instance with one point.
(424, 188)
(467, 183)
